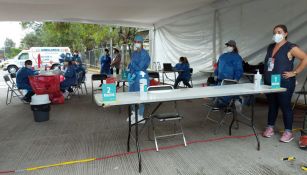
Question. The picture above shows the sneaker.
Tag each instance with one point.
(139, 119)
(269, 132)
(227, 111)
(66, 95)
(215, 109)
(303, 142)
(286, 137)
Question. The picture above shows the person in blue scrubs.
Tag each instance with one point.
(229, 66)
(185, 75)
(279, 60)
(22, 80)
(105, 63)
(69, 75)
(140, 61)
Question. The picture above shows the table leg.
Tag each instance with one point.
(129, 132)
(137, 137)
(252, 122)
(248, 124)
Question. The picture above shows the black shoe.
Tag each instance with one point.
(228, 111)
(26, 99)
(70, 90)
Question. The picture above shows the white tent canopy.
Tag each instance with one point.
(196, 29)
(140, 13)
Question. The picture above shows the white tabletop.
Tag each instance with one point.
(126, 98)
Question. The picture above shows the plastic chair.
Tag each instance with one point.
(12, 90)
(229, 109)
(164, 117)
(97, 77)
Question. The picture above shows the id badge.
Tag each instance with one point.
(271, 64)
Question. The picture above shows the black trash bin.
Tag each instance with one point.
(41, 112)
(40, 105)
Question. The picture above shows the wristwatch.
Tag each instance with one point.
(295, 72)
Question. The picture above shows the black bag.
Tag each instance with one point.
(211, 81)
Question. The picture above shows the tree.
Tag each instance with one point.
(9, 43)
(31, 40)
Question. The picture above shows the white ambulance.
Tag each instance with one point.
(50, 56)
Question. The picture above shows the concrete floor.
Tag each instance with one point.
(79, 129)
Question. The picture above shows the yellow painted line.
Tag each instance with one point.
(60, 164)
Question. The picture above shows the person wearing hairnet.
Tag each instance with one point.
(70, 77)
(140, 61)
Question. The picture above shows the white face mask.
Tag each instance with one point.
(277, 38)
(229, 49)
(29, 66)
(137, 45)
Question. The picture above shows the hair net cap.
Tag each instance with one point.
(138, 38)
(63, 55)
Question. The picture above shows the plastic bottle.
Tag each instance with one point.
(159, 65)
(114, 72)
(143, 85)
(257, 80)
(154, 67)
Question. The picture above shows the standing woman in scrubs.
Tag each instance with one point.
(140, 61)
(279, 61)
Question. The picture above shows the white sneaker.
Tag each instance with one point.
(238, 106)
(132, 116)
(66, 95)
(139, 119)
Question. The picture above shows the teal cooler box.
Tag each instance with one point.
(40, 105)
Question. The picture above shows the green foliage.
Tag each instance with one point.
(77, 36)
(11, 52)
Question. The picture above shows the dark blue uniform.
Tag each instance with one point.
(183, 76)
(70, 78)
(22, 78)
(283, 100)
(105, 63)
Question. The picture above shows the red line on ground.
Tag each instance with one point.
(160, 148)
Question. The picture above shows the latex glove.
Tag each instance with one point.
(131, 77)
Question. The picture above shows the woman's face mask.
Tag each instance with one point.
(278, 37)
(29, 66)
(137, 45)
(229, 49)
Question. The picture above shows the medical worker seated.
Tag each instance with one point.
(140, 61)
(229, 66)
(70, 78)
(22, 80)
(185, 75)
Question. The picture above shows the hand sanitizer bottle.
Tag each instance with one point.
(257, 80)
(143, 86)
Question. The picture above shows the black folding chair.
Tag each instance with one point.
(164, 117)
(97, 77)
(224, 111)
(303, 92)
(12, 90)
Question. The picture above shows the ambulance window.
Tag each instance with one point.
(24, 56)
